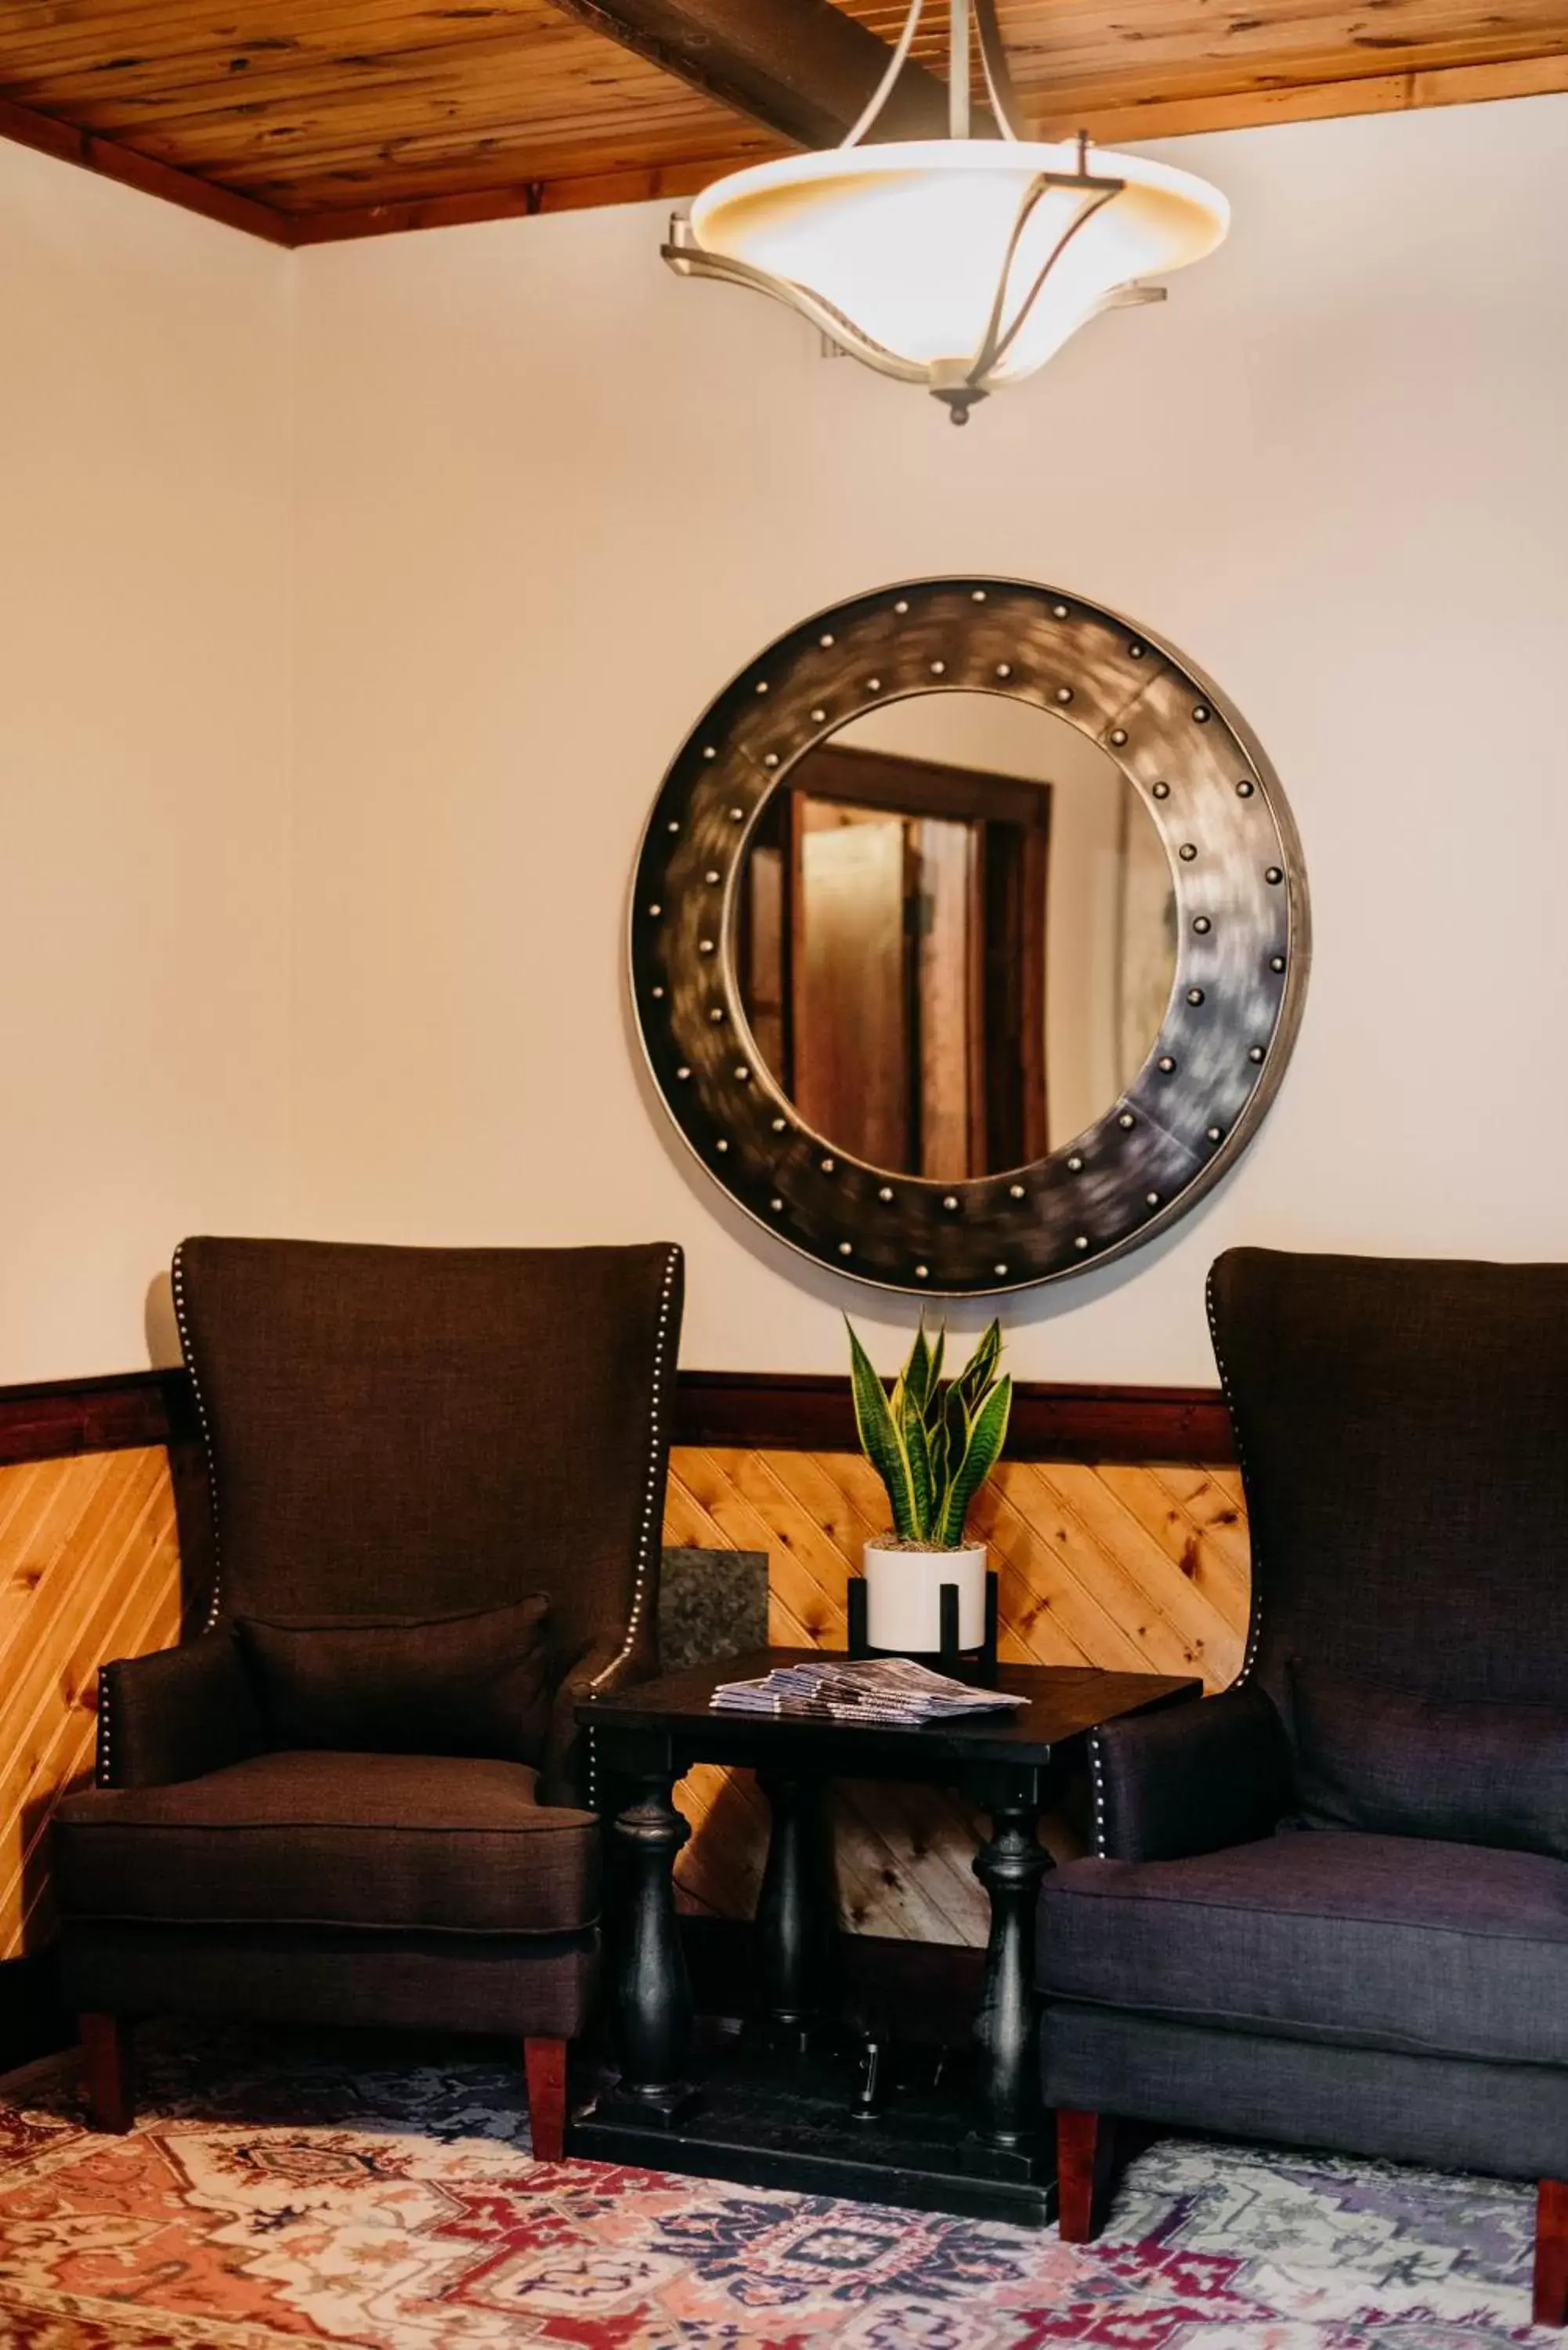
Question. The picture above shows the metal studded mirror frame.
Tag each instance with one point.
(1242, 938)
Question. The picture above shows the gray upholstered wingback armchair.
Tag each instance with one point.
(1330, 1906)
(360, 1795)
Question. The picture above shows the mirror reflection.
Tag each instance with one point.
(956, 935)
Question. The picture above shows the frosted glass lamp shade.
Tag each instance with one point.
(909, 243)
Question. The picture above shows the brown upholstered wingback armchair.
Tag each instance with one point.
(360, 1796)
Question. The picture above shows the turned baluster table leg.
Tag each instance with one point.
(795, 1910)
(1006, 2139)
(653, 1991)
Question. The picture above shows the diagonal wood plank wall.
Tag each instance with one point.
(1114, 1565)
(1107, 1563)
(89, 1568)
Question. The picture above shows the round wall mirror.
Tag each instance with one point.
(969, 936)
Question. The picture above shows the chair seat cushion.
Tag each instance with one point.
(1370, 1941)
(376, 1840)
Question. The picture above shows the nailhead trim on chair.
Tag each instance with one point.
(1255, 1620)
(104, 1767)
(177, 1279)
(651, 1496)
(1097, 1781)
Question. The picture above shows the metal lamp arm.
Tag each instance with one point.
(884, 90)
(999, 83)
(997, 341)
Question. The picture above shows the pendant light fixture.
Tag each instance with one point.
(962, 263)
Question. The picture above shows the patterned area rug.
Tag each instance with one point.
(273, 2197)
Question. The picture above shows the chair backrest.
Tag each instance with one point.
(1403, 1431)
(407, 1431)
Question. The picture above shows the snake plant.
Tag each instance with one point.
(933, 1445)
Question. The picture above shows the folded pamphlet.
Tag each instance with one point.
(887, 1690)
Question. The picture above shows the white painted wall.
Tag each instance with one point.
(145, 371)
(551, 498)
(546, 500)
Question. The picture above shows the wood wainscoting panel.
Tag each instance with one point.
(89, 1569)
(1138, 1565)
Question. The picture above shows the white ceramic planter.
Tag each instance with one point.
(904, 1602)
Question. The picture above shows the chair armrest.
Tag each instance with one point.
(176, 1714)
(563, 1767)
(1190, 1779)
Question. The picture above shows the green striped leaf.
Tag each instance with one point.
(933, 1384)
(917, 1452)
(987, 1435)
(940, 1451)
(880, 1438)
(914, 1379)
(979, 1370)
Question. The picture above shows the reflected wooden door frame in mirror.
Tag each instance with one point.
(1241, 955)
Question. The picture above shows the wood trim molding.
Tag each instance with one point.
(518, 200)
(121, 1413)
(761, 1410)
(792, 1412)
(1255, 108)
(111, 161)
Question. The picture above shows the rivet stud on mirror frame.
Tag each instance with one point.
(894, 644)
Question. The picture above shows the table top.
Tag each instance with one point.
(1065, 1701)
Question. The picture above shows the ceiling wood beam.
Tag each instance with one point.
(801, 68)
(112, 161)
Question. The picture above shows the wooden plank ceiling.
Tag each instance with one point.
(305, 120)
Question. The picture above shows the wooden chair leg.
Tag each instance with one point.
(107, 2065)
(1084, 2150)
(545, 2063)
(1552, 2253)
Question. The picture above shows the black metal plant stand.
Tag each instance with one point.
(976, 1665)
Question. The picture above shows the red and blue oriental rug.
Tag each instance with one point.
(274, 2198)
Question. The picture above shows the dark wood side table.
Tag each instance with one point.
(788, 2128)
